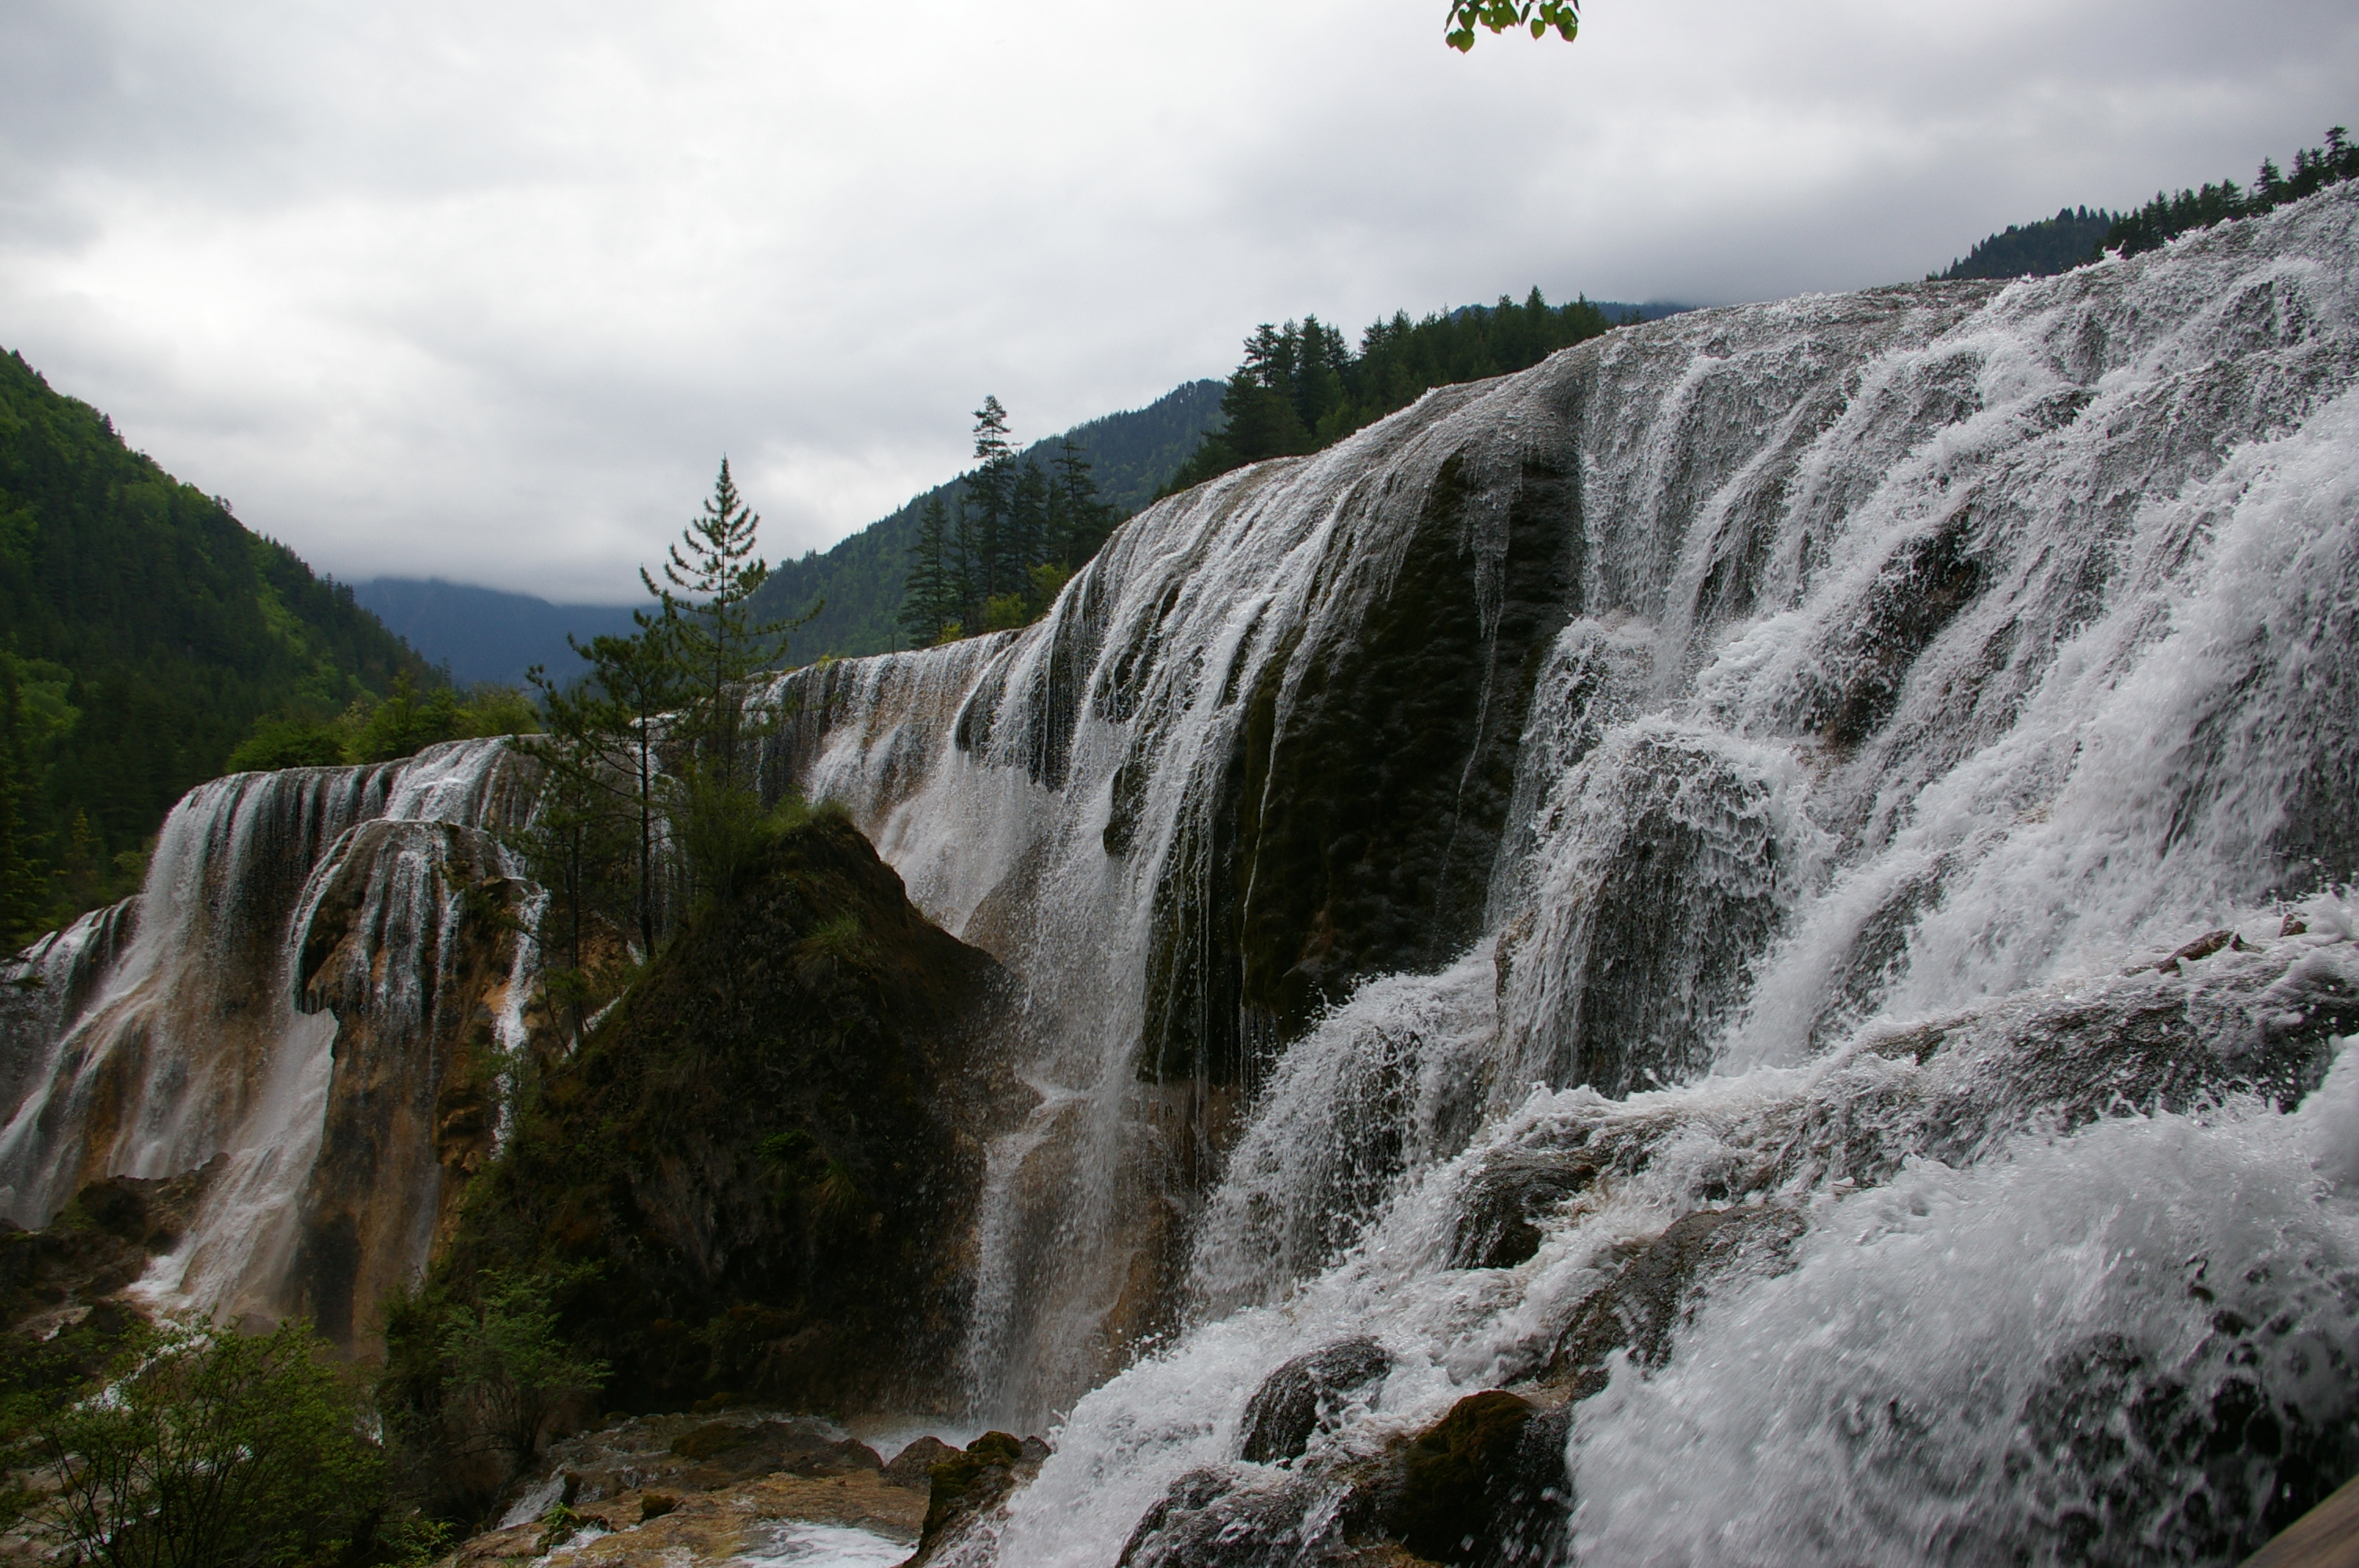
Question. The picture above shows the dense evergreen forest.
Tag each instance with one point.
(2168, 216)
(146, 631)
(1300, 386)
(2036, 250)
(2076, 236)
(860, 584)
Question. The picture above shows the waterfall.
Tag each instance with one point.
(1774, 882)
(217, 1014)
(1881, 761)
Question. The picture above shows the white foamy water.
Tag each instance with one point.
(802, 1545)
(1926, 660)
(154, 1054)
(1759, 764)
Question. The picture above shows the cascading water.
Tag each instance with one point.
(1768, 882)
(1711, 785)
(287, 971)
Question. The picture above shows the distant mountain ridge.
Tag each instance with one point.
(482, 634)
(858, 583)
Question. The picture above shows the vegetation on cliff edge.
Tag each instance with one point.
(747, 1178)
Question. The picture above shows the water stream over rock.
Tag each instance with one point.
(1769, 884)
(1730, 766)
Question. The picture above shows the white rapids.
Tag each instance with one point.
(1878, 766)
(1926, 659)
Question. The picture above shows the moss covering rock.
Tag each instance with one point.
(754, 1176)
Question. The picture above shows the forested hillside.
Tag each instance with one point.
(2076, 236)
(1131, 456)
(2036, 250)
(1301, 386)
(146, 632)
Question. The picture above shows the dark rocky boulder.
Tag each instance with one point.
(95, 1245)
(1502, 1202)
(731, 1451)
(1208, 1519)
(1655, 1291)
(970, 1483)
(756, 1173)
(1485, 1485)
(914, 1466)
(1293, 1402)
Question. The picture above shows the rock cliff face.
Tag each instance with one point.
(315, 996)
(413, 946)
(768, 1153)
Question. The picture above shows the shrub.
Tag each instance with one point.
(206, 1447)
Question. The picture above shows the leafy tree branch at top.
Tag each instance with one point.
(1499, 16)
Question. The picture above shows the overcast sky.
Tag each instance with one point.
(484, 291)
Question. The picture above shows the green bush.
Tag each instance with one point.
(473, 1377)
(287, 742)
(207, 1448)
(404, 723)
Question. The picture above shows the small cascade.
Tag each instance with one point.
(202, 1019)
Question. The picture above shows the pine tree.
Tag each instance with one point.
(932, 600)
(604, 751)
(987, 497)
(1026, 543)
(1078, 520)
(22, 905)
(718, 646)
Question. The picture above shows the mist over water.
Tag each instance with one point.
(1864, 778)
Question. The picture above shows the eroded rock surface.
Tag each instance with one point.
(1293, 1402)
(767, 1154)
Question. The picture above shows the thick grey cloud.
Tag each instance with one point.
(484, 291)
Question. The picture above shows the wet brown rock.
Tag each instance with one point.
(735, 1450)
(914, 1466)
(413, 1098)
(1657, 1290)
(711, 1528)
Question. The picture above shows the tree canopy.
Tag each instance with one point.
(2168, 216)
(1301, 387)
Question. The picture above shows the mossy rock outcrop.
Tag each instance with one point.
(758, 1172)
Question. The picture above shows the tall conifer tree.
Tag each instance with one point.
(931, 600)
(1079, 520)
(987, 499)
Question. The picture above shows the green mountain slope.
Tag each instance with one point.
(143, 630)
(2037, 250)
(1132, 454)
